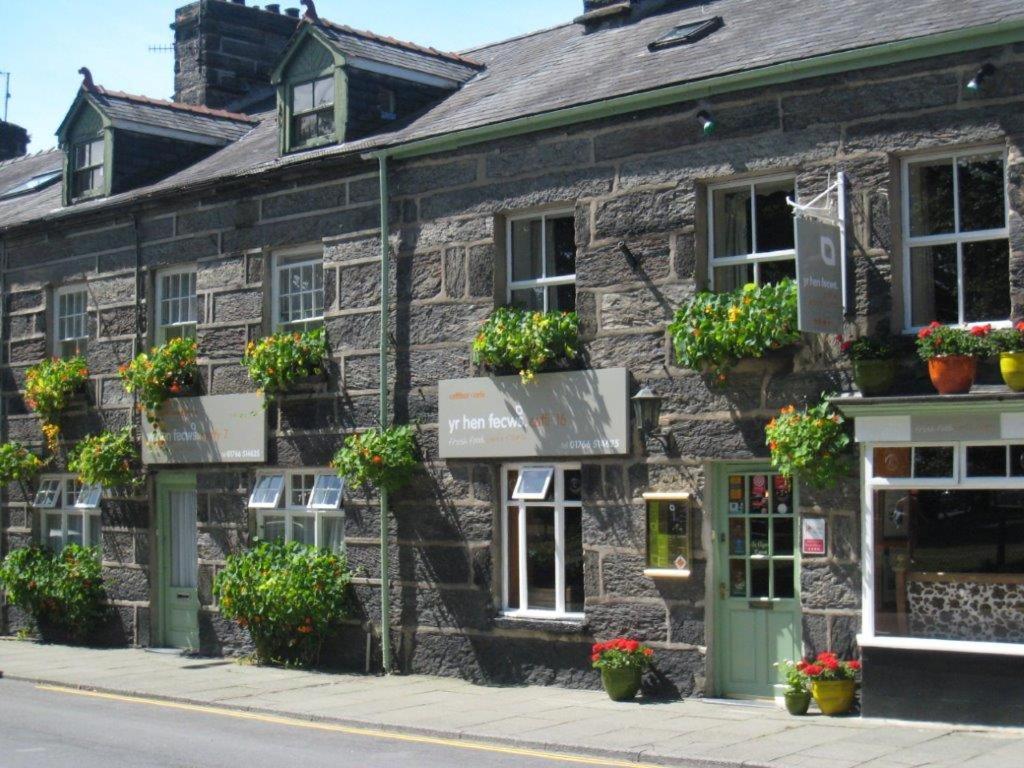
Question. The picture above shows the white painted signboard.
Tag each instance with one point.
(220, 429)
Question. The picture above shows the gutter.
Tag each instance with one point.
(945, 43)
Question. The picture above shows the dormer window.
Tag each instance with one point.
(313, 111)
(386, 105)
(87, 174)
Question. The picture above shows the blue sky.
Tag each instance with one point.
(44, 42)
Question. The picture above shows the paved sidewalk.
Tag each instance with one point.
(688, 733)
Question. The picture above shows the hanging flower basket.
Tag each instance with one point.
(160, 374)
(49, 388)
(109, 459)
(18, 464)
(276, 363)
(383, 458)
(517, 340)
(808, 444)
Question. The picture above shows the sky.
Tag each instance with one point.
(44, 42)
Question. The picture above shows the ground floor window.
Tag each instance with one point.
(69, 512)
(948, 551)
(302, 505)
(542, 542)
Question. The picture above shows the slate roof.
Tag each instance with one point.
(202, 121)
(398, 53)
(564, 66)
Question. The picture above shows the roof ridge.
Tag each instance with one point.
(194, 108)
(387, 40)
(26, 156)
(522, 36)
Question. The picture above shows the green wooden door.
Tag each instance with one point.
(179, 560)
(758, 580)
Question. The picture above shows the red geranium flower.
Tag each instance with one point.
(981, 330)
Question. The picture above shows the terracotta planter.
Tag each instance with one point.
(874, 377)
(621, 684)
(834, 697)
(953, 374)
(1011, 365)
(797, 702)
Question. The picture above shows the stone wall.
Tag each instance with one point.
(639, 179)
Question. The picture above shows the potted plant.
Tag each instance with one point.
(161, 373)
(1010, 345)
(714, 330)
(808, 444)
(796, 697)
(18, 464)
(527, 342)
(874, 364)
(49, 387)
(622, 662)
(383, 458)
(952, 355)
(279, 361)
(833, 682)
(106, 459)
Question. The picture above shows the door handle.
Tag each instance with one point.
(185, 596)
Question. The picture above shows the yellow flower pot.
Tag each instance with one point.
(834, 697)
(1011, 365)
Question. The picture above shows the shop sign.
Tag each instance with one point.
(819, 275)
(942, 428)
(573, 413)
(813, 536)
(220, 429)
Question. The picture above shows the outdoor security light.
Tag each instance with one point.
(707, 123)
(647, 412)
(986, 71)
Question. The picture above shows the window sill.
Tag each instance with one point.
(667, 573)
(574, 624)
(952, 646)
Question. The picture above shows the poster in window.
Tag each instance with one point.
(759, 494)
(895, 515)
(668, 545)
(782, 489)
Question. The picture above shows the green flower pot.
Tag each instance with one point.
(621, 684)
(874, 377)
(797, 702)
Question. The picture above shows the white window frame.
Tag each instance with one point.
(519, 495)
(188, 328)
(559, 504)
(958, 238)
(83, 340)
(278, 492)
(285, 509)
(755, 258)
(90, 168)
(287, 260)
(540, 282)
(869, 484)
(66, 505)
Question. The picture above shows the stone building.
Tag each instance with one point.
(581, 150)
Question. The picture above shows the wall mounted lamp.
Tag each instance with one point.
(976, 82)
(707, 122)
(647, 415)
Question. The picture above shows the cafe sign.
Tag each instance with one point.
(821, 261)
(220, 429)
(573, 413)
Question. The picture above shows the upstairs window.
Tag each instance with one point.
(957, 247)
(176, 305)
(312, 111)
(72, 322)
(751, 233)
(302, 505)
(87, 168)
(542, 262)
(299, 293)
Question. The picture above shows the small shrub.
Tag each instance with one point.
(159, 374)
(62, 592)
(18, 464)
(290, 597)
(383, 458)
(49, 386)
(938, 340)
(278, 361)
(527, 342)
(808, 444)
(107, 459)
(714, 330)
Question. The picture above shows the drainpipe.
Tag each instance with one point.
(385, 258)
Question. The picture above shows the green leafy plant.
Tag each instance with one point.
(384, 458)
(18, 464)
(49, 386)
(808, 444)
(106, 459)
(938, 340)
(62, 592)
(289, 596)
(866, 348)
(714, 330)
(620, 653)
(1009, 339)
(161, 373)
(796, 682)
(278, 361)
(520, 340)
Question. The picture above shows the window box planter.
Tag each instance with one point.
(524, 342)
(284, 361)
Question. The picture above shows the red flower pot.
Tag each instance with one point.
(953, 374)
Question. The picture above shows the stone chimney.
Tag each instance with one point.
(13, 141)
(602, 14)
(224, 51)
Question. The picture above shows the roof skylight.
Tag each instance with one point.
(684, 34)
(33, 184)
